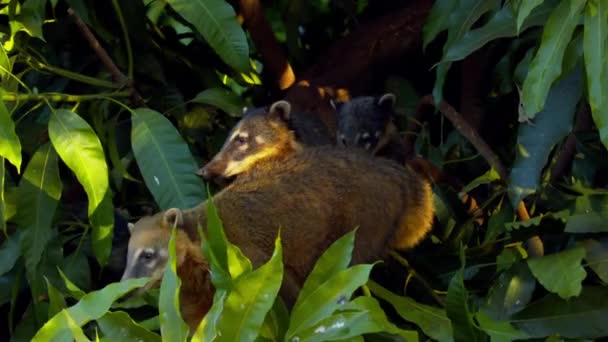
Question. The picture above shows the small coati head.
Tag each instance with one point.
(363, 121)
(148, 251)
(262, 134)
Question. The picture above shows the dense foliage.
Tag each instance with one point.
(108, 107)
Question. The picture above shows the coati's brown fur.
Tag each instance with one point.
(315, 196)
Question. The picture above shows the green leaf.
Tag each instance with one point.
(207, 329)
(457, 307)
(511, 292)
(38, 196)
(5, 68)
(499, 331)
(461, 20)
(536, 140)
(546, 66)
(172, 326)
(501, 25)
(580, 317)
(335, 259)
(597, 257)
(595, 46)
(589, 214)
(490, 176)
(10, 146)
(216, 21)
(438, 20)
(562, 272)
(326, 298)
(431, 320)
(165, 161)
(251, 298)
(90, 307)
(118, 326)
(72, 289)
(9, 253)
(524, 9)
(3, 211)
(80, 149)
(221, 98)
(215, 249)
(29, 20)
(56, 300)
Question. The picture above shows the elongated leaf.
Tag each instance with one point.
(438, 20)
(5, 68)
(431, 320)
(72, 289)
(216, 21)
(10, 146)
(207, 329)
(561, 272)
(90, 307)
(461, 20)
(524, 9)
(118, 326)
(535, 141)
(589, 214)
(221, 98)
(597, 257)
(326, 298)
(165, 161)
(546, 66)
(595, 45)
(3, 214)
(80, 149)
(9, 253)
(215, 247)
(335, 259)
(56, 300)
(580, 317)
(511, 293)
(501, 25)
(457, 307)
(39, 192)
(499, 331)
(172, 327)
(251, 298)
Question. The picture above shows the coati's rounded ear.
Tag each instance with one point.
(131, 226)
(387, 101)
(280, 109)
(173, 218)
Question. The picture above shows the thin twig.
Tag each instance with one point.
(412, 272)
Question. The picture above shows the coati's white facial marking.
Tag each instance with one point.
(365, 135)
(244, 147)
(260, 140)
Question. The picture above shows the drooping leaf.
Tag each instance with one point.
(595, 45)
(90, 307)
(432, 320)
(165, 161)
(118, 326)
(39, 192)
(9, 253)
(438, 20)
(5, 68)
(501, 25)
(536, 140)
(276, 322)
(80, 149)
(29, 20)
(589, 214)
(584, 316)
(457, 308)
(460, 21)
(215, 247)
(10, 146)
(3, 215)
(524, 9)
(326, 298)
(216, 21)
(335, 259)
(207, 329)
(562, 272)
(172, 326)
(597, 257)
(221, 98)
(499, 331)
(546, 66)
(72, 289)
(56, 300)
(251, 298)
(511, 292)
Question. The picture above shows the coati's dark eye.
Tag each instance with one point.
(240, 139)
(147, 255)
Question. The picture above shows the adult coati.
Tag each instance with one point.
(315, 196)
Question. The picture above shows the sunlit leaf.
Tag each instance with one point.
(91, 307)
(546, 66)
(72, 289)
(511, 292)
(118, 326)
(561, 272)
(56, 300)
(216, 21)
(536, 139)
(584, 316)
(207, 329)
(165, 161)
(80, 149)
(431, 320)
(595, 45)
(251, 298)
(221, 98)
(172, 325)
(10, 146)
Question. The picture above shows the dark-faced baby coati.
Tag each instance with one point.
(314, 195)
(366, 122)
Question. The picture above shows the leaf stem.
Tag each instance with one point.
(58, 97)
(123, 26)
(74, 75)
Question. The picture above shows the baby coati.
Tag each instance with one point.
(314, 196)
(366, 122)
